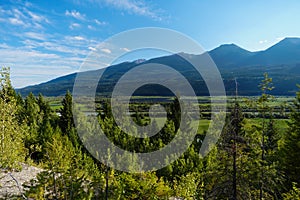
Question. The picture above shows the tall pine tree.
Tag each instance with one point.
(291, 148)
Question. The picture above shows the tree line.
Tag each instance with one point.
(252, 158)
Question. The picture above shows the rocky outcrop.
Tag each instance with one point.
(11, 181)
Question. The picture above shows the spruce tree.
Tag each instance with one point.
(291, 148)
(66, 120)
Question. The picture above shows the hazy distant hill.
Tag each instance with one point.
(281, 61)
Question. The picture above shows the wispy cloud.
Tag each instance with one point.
(263, 41)
(34, 51)
(92, 48)
(106, 50)
(137, 7)
(56, 47)
(74, 26)
(80, 38)
(36, 46)
(23, 17)
(91, 27)
(36, 36)
(75, 14)
(16, 21)
(36, 66)
(37, 18)
(98, 22)
(125, 49)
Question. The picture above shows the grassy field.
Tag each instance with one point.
(204, 102)
(55, 102)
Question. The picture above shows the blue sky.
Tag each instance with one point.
(41, 40)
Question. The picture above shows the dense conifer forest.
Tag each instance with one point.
(255, 157)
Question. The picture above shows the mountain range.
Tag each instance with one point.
(281, 62)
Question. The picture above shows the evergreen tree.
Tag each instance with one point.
(176, 112)
(224, 173)
(269, 141)
(34, 121)
(139, 186)
(66, 120)
(44, 108)
(267, 179)
(68, 174)
(291, 144)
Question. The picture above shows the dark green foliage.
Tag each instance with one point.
(270, 177)
(224, 175)
(176, 112)
(250, 161)
(66, 122)
(41, 121)
(291, 144)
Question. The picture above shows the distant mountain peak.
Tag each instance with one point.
(228, 55)
(229, 48)
(286, 51)
(282, 59)
(290, 40)
(229, 45)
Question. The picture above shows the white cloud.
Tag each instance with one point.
(56, 46)
(92, 48)
(27, 4)
(25, 56)
(125, 49)
(68, 45)
(4, 45)
(31, 66)
(105, 51)
(78, 38)
(136, 7)
(91, 27)
(37, 55)
(78, 41)
(6, 12)
(74, 26)
(263, 41)
(18, 14)
(99, 22)
(23, 17)
(16, 21)
(36, 36)
(36, 17)
(75, 14)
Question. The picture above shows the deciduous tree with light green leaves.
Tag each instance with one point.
(12, 133)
